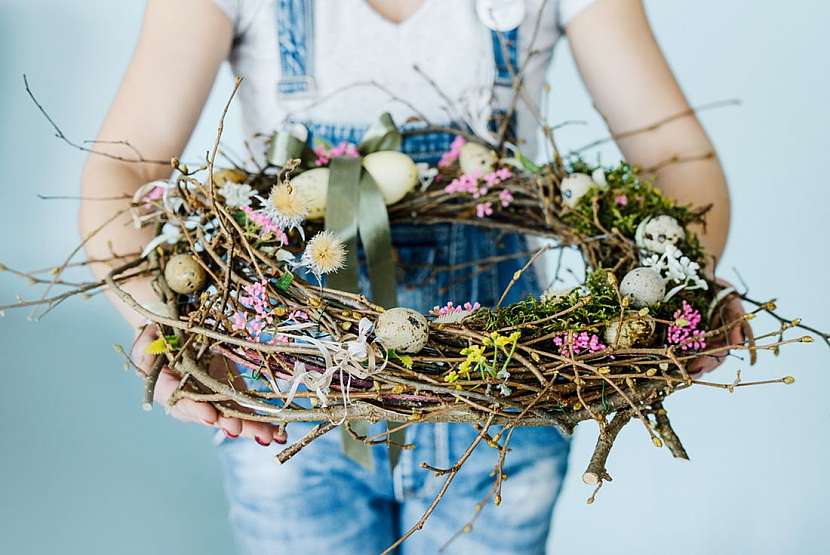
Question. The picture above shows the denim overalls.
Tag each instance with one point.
(323, 502)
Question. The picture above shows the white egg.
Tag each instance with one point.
(644, 286)
(598, 177)
(313, 186)
(631, 330)
(653, 234)
(476, 159)
(395, 173)
(402, 329)
(574, 187)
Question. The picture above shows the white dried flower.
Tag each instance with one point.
(324, 253)
(236, 195)
(285, 206)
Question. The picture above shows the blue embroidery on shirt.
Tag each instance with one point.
(295, 38)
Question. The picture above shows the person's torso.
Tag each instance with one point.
(340, 62)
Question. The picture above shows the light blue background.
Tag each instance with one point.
(84, 470)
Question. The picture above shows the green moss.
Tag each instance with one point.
(642, 200)
(597, 302)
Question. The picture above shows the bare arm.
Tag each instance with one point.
(633, 86)
(181, 47)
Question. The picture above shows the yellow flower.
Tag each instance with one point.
(474, 353)
(324, 253)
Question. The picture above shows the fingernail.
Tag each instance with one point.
(230, 435)
(280, 437)
(262, 442)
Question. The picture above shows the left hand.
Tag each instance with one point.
(729, 310)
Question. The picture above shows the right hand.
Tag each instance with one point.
(187, 410)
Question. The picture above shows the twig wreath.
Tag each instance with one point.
(255, 266)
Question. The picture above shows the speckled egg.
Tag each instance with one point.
(184, 275)
(653, 234)
(395, 173)
(402, 329)
(644, 286)
(222, 176)
(632, 329)
(574, 187)
(313, 186)
(476, 159)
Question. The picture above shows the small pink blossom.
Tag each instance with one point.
(325, 155)
(452, 154)
(578, 342)
(621, 200)
(257, 300)
(155, 193)
(266, 225)
(255, 327)
(238, 321)
(506, 197)
(465, 183)
(484, 209)
(455, 309)
(280, 339)
(298, 316)
(685, 331)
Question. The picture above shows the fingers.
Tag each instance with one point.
(138, 352)
(188, 410)
(260, 432)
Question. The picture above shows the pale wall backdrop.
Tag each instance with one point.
(84, 471)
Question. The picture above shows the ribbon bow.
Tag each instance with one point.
(355, 208)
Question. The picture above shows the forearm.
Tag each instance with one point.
(107, 179)
(682, 162)
(634, 88)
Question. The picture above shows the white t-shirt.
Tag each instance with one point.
(351, 45)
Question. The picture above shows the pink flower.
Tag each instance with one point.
(506, 197)
(484, 209)
(257, 300)
(452, 154)
(465, 183)
(684, 331)
(298, 316)
(504, 174)
(492, 179)
(344, 149)
(621, 200)
(238, 321)
(578, 342)
(323, 157)
(452, 309)
(155, 193)
(280, 339)
(266, 225)
(255, 327)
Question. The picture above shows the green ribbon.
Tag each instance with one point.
(355, 208)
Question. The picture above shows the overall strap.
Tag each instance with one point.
(506, 61)
(295, 40)
(505, 55)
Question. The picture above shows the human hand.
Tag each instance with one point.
(188, 410)
(729, 310)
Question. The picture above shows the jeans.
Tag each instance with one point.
(321, 502)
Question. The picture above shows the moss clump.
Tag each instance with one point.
(591, 305)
